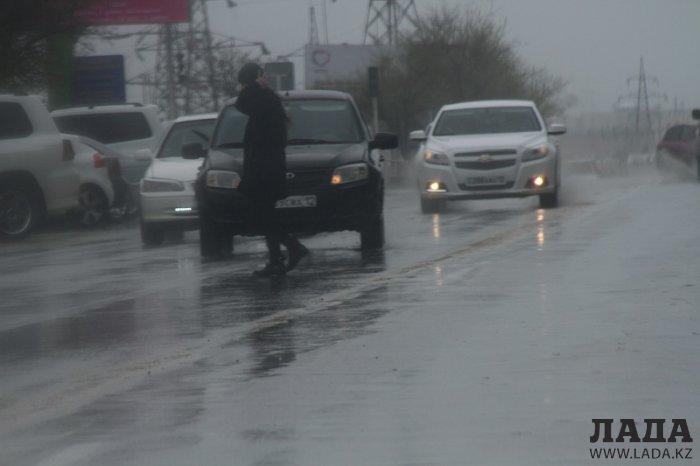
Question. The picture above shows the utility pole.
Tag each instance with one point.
(167, 41)
(385, 17)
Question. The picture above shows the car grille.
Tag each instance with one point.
(306, 179)
(488, 165)
(473, 160)
(464, 187)
(487, 152)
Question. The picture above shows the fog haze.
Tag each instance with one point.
(594, 44)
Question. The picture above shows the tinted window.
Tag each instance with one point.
(231, 129)
(673, 134)
(489, 120)
(14, 122)
(106, 128)
(311, 121)
(323, 121)
(688, 133)
(182, 134)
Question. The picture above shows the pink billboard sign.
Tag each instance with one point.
(103, 12)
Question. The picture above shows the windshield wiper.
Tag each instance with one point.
(296, 141)
(230, 145)
(201, 135)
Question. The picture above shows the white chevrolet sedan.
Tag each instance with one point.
(487, 149)
(167, 201)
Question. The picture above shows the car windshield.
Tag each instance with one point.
(489, 120)
(311, 121)
(107, 128)
(184, 133)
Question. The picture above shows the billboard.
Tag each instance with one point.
(280, 75)
(98, 80)
(338, 63)
(102, 12)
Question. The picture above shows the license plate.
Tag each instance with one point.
(294, 202)
(485, 180)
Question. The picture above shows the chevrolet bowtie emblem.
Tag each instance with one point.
(484, 158)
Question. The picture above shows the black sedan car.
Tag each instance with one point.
(334, 181)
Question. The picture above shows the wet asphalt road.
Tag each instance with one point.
(489, 334)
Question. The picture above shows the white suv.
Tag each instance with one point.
(127, 129)
(487, 149)
(37, 175)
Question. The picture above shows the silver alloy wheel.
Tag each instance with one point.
(15, 212)
(93, 206)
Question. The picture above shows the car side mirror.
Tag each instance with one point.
(384, 141)
(193, 151)
(556, 129)
(417, 136)
(143, 155)
(696, 114)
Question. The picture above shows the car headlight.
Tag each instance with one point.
(223, 179)
(536, 153)
(435, 158)
(155, 185)
(350, 173)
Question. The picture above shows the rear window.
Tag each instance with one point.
(14, 122)
(106, 128)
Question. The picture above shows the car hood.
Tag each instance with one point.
(174, 168)
(486, 141)
(298, 157)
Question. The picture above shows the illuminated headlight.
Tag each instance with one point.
(537, 181)
(536, 153)
(350, 173)
(155, 185)
(436, 187)
(223, 179)
(436, 158)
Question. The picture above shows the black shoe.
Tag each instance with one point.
(296, 254)
(272, 269)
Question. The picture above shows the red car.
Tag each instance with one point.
(679, 147)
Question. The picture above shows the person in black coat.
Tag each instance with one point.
(264, 167)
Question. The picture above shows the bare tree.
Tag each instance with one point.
(34, 34)
(455, 55)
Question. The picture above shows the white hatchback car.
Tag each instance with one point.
(167, 190)
(487, 149)
(125, 128)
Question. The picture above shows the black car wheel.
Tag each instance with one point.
(152, 234)
(431, 206)
(19, 210)
(214, 242)
(93, 206)
(372, 235)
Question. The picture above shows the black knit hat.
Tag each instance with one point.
(249, 73)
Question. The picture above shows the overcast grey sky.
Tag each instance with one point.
(595, 44)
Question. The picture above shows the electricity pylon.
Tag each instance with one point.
(313, 27)
(385, 17)
(188, 76)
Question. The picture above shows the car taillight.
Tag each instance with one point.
(98, 160)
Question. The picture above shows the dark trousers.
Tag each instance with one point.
(266, 221)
